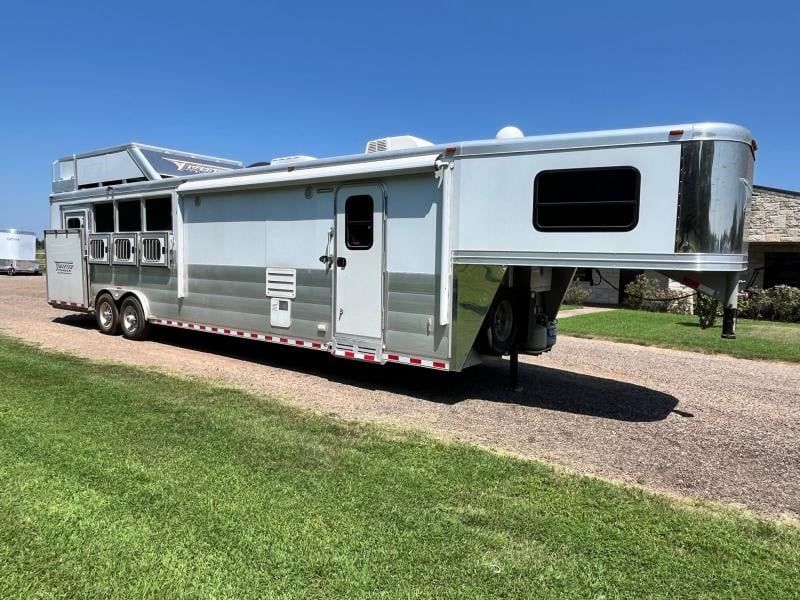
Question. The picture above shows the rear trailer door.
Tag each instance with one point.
(67, 274)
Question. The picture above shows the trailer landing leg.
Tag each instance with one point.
(729, 323)
(513, 371)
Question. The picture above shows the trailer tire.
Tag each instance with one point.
(106, 314)
(500, 327)
(132, 321)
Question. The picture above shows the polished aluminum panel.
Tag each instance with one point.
(474, 289)
(411, 326)
(715, 188)
(604, 260)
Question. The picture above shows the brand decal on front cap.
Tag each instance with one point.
(193, 167)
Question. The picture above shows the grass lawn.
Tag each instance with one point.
(754, 339)
(118, 482)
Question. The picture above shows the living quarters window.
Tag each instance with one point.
(129, 215)
(158, 214)
(104, 217)
(358, 220)
(597, 199)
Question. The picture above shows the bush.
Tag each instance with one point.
(647, 293)
(779, 303)
(707, 310)
(576, 295)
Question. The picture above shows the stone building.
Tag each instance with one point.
(772, 234)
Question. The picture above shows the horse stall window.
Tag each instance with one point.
(129, 215)
(596, 199)
(104, 217)
(158, 214)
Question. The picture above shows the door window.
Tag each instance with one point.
(74, 221)
(358, 222)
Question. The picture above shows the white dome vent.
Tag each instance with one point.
(397, 142)
(509, 133)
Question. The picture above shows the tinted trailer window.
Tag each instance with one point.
(600, 199)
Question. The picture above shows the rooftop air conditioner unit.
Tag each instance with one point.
(397, 142)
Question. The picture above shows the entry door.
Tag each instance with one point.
(358, 309)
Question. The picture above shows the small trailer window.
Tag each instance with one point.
(129, 215)
(104, 217)
(358, 220)
(598, 199)
(158, 214)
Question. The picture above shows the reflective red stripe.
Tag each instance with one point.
(369, 357)
(284, 340)
(393, 357)
(692, 283)
(349, 354)
(439, 365)
(415, 361)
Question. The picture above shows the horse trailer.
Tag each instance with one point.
(18, 252)
(429, 255)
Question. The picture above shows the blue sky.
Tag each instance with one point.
(254, 81)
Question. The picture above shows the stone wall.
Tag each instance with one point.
(774, 216)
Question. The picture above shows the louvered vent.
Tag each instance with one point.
(380, 145)
(281, 283)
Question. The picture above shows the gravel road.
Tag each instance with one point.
(707, 427)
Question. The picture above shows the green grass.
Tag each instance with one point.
(754, 339)
(118, 482)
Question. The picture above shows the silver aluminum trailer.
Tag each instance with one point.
(413, 253)
(18, 252)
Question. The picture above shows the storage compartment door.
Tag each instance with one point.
(67, 280)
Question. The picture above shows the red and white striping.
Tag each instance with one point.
(417, 361)
(66, 303)
(287, 341)
(249, 335)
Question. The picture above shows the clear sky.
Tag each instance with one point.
(254, 81)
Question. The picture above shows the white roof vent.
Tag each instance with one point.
(291, 159)
(397, 142)
(509, 133)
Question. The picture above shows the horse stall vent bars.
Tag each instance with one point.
(281, 283)
(125, 249)
(98, 250)
(155, 249)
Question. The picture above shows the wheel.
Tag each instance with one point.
(107, 315)
(500, 327)
(11, 271)
(131, 319)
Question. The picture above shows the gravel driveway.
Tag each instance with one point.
(708, 427)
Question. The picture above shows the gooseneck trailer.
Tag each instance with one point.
(428, 255)
(18, 252)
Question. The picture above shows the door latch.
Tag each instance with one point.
(341, 262)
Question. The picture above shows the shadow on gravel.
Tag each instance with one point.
(543, 387)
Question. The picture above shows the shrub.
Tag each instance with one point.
(707, 310)
(785, 303)
(779, 303)
(647, 293)
(576, 295)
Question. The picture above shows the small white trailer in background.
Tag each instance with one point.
(414, 253)
(18, 252)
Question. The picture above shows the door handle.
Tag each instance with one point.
(341, 262)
